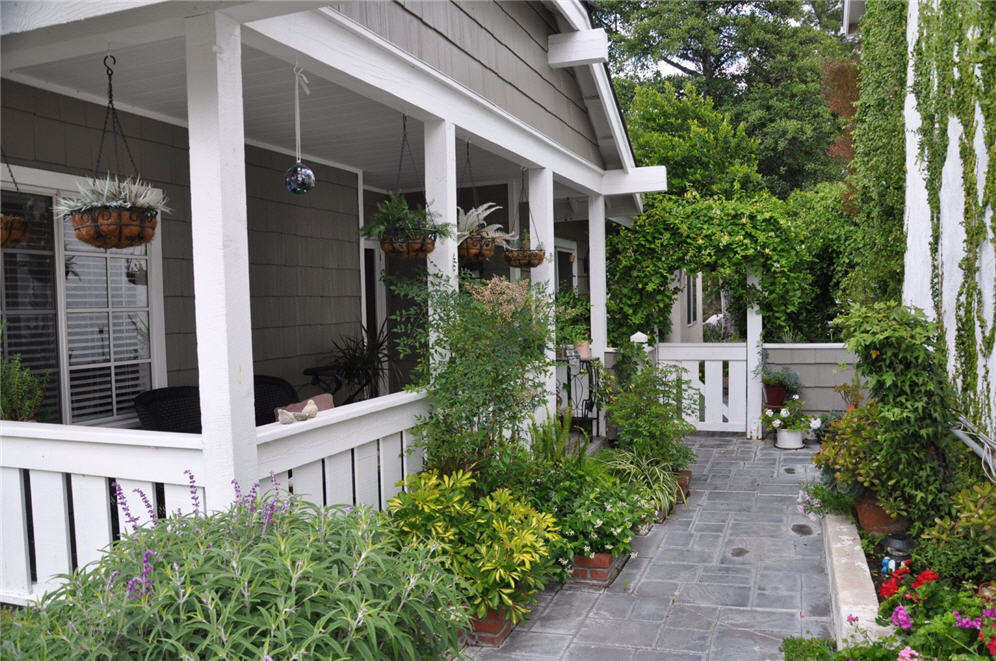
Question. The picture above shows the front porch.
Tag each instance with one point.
(242, 277)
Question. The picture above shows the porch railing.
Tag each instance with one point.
(57, 509)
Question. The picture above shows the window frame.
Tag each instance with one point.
(55, 185)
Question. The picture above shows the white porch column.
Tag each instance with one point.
(440, 194)
(541, 209)
(221, 255)
(596, 276)
(753, 369)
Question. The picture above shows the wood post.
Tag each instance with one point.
(220, 254)
(541, 208)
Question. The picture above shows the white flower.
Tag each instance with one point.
(784, 413)
(815, 423)
(776, 423)
(795, 397)
(769, 413)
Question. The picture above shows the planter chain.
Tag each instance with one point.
(3, 156)
(469, 171)
(401, 157)
(111, 117)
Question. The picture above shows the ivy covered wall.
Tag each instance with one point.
(950, 123)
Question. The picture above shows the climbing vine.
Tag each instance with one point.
(879, 164)
(954, 77)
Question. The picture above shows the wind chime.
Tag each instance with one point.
(524, 257)
(13, 228)
(299, 179)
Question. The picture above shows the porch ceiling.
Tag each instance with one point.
(338, 126)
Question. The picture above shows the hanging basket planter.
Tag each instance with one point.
(524, 259)
(475, 249)
(13, 231)
(115, 227)
(413, 247)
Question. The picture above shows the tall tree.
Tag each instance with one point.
(757, 60)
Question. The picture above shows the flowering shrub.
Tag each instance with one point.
(270, 578)
(498, 543)
(790, 417)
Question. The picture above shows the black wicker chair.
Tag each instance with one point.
(178, 408)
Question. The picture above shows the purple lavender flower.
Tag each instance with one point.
(148, 506)
(238, 489)
(967, 622)
(122, 501)
(852, 619)
(195, 499)
(273, 481)
(135, 590)
(901, 618)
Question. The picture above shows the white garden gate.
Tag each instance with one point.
(719, 373)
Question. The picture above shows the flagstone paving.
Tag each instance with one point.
(727, 577)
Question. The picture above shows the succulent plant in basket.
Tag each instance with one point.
(476, 240)
(114, 213)
(403, 230)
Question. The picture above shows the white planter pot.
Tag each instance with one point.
(788, 439)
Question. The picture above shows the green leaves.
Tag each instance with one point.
(322, 583)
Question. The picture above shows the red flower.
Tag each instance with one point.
(992, 645)
(925, 577)
(890, 587)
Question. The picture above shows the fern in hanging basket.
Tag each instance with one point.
(476, 240)
(404, 231)
(113, 213)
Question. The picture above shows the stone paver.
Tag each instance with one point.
(727, 577)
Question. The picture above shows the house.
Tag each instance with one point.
(952, 277)
(242, 277)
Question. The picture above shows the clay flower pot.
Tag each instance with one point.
(873, 518)
(684, 479)
(774, 396)
(13, 231)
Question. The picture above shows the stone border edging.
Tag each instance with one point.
(852, 591)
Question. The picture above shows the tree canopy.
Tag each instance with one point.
(701, 147)
(759, 61)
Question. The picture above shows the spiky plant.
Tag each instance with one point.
(112, 192)
(471, 222)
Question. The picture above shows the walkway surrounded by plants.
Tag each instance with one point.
(727, 577)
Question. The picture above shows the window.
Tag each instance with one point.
(90, 319)
(691, 298)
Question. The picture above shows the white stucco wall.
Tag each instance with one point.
(916, 285)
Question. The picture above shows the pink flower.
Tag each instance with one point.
(852, 619)
(901, 618)
(908, 653)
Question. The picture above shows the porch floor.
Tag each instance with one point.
(727, 577)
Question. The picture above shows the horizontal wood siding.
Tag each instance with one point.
(820, 367)
(497, 49)
(303, 250)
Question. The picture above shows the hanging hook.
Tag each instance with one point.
(107, 67)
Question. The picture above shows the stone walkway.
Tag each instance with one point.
(725, 578)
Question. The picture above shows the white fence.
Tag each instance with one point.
(719, 372)
(57, 509)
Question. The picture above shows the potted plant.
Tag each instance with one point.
(21, 392)
(789, 423)
(476, 240)
(404, 231)
(572, 320)
(13, 231)
(112, 213)
(525, 257)
(779, 384)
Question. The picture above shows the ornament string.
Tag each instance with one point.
(300, 82)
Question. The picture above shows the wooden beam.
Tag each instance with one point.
(651, 179)
(573, 49)
(541, 209)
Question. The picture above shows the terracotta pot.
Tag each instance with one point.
(987, 592)
(13, 231)
(684, 480)
(788, 439)
(115, 227)
(490, 630)
(583, 349)
(873, 518)
(408, 247)
(774, 396)
(476, 248)
(524, 259)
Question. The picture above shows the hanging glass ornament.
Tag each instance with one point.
(299, 178)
